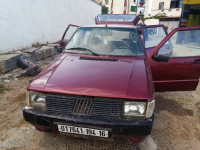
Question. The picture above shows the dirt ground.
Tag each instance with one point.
(177, 121)
(176, 126)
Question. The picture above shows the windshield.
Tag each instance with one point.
(106, 41)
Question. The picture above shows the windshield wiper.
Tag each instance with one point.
(83, 49)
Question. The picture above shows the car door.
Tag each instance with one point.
(69, 32)
(175, 62)
(152, 36)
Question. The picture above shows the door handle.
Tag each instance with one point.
(197, 61)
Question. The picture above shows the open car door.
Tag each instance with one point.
(152, 36)
(69, 32)
(175, 62)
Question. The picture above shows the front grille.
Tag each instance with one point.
(88, 106)
(82, 106)
(109, 108)
(59, 104)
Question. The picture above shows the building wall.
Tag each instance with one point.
(152, 22)
(118, 6)
(170, 25)
(152, 8)
(147, 10)
(24, 22)
(131, 3)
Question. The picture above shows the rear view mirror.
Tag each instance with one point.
(161, 58)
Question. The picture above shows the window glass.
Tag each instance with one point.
(153, 36)
(133, 8)
(182, 44)
(70, 32)
(175, 4)
(107, 41)
(161, 5)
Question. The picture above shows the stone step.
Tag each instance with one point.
(8, 62)
(41, 53)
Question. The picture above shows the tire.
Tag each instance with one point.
(25, 62)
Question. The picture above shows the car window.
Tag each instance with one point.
(69, 33)
(182, 44)
(153, 36)
(108, 41)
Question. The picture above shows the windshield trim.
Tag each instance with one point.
(89, 54)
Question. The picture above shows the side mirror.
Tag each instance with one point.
(59, 49)
(161, 58)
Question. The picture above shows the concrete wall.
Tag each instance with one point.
(170, 24)
(174, 12)
(152, 8)
(152, 21)
(24, 22)
(147, 10)
(118, 6)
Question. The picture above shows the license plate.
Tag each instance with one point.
(82, 131)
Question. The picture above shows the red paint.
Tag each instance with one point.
(125, 6)
(178, 74)
(68, 74)
(111, 9)
(63, 43)
(129, 77)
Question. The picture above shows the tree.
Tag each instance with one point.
(104, 10)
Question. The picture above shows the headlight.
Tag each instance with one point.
(36, 100)
(135, 108)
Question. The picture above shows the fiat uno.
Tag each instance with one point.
(102, 84)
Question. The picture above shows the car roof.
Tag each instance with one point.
(110, 26)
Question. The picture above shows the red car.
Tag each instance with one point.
(102, 85)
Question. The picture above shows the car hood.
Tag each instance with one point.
(120, 77)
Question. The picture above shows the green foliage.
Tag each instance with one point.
(157, 16)
(107, 1)
(160, 15)
(104, 10)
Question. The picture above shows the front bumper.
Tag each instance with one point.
(126, 128)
